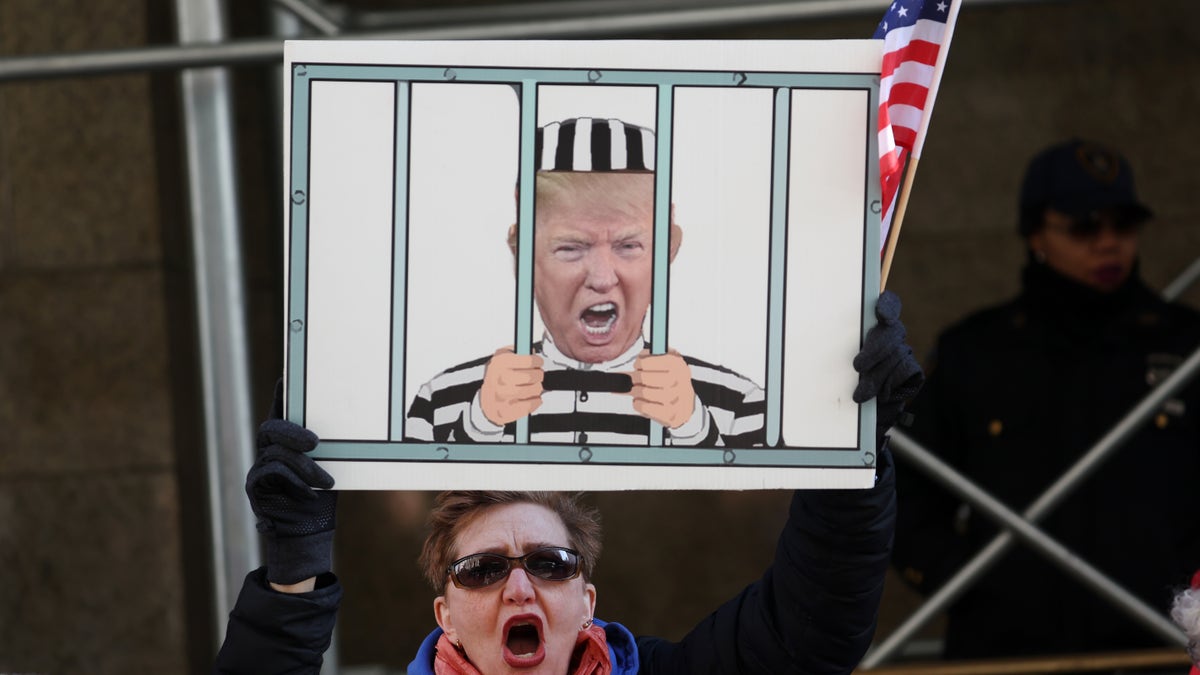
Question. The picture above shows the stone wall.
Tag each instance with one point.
(90, 508)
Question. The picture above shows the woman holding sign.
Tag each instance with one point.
(512, 571)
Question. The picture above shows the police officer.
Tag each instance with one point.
(1020, 391)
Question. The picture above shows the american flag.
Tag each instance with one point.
(912, 32)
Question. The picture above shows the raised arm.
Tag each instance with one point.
(283, 619)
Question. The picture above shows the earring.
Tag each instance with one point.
(586, 625)
(458, 643)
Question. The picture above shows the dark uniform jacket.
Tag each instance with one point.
(1017, 394)
(813, 612)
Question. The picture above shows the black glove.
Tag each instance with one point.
(886, 367)
(296, 521)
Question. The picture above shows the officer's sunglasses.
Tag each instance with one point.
(1090, 226)
(479, 570)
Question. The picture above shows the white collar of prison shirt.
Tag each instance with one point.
(624, 362)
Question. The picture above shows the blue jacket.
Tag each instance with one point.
(812, 612)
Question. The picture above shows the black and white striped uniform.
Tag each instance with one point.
(729, 409)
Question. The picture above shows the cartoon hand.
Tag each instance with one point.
(512, 386)
(662, 388)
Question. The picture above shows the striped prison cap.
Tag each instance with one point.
(588, 144)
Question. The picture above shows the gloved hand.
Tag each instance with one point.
(886, 367)
(296, 521)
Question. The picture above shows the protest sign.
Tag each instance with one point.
(732, 276)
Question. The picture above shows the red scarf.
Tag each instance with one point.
(590, 656)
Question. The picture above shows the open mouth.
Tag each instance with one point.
(598, 319)
(523, 646)
(1109, 274)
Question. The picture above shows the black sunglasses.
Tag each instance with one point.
(1090, 227)
(478, 570)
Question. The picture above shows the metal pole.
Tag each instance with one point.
(597, 8)
(686, 18)
(212, 207)
(533, 11)
(271, 49)
(76, 64)
(1049, 499)
(266, 50)
(314, 16)
(1183, 282)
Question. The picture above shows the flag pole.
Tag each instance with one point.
(919, 143)
(889, 250)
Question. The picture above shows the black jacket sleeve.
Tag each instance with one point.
(275, 633)
(814, 611)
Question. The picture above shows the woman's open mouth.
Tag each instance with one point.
(597, 321)
(523, 645)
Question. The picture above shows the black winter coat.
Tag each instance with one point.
(1016, 395)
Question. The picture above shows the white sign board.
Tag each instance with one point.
(693, 329)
